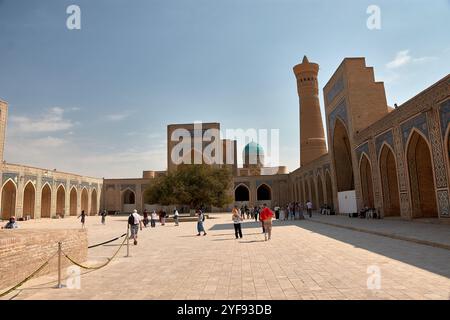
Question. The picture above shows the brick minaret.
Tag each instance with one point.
(312, 137)
(3, 119)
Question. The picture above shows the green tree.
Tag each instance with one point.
(195, 185)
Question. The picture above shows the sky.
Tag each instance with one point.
(96, 101)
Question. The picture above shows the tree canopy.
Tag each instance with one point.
(192, 184)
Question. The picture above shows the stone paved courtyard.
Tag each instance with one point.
(304, 260)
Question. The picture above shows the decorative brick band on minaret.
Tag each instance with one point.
(3, 119)
(312, 136)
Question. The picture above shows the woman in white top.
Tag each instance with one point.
(153, 218)
(282, 214)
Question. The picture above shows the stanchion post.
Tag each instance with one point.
(59, 286)
(128, 239)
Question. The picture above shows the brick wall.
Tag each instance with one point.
(23, 251)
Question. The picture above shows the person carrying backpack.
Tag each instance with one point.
(135, 222)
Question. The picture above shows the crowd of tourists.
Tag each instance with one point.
(262, 214)
(138, 222)
(291, 211)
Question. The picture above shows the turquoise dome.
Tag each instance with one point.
(253, 148)
(253, 155)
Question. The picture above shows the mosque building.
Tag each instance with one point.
(393, 160)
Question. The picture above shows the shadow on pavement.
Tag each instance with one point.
(429, 258)
(426, 257)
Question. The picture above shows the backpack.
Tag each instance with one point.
(131, 219)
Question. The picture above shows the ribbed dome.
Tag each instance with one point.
(253, 148)
(253, 155)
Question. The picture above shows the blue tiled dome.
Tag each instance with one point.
(254, 149)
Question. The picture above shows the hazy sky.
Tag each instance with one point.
(96, 101)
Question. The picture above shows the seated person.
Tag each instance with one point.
(12, 224)
(363, 211)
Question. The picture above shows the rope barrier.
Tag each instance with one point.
(29, 277)
(71, 260)
(100, 244)
(96, 267)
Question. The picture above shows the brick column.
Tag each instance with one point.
(19, 197)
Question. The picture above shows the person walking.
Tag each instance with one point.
(135, 222)
(282, 216)
(175, 217)
(300, 210)
(237, 219)
(153, 218)
(83, 218)
(309, 207)
(104, 213)
(277, 212)
(200, 220)
(266, 218)
(256, 213)
(163, 217)
(145, 218)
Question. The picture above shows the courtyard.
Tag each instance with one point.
(305, 259)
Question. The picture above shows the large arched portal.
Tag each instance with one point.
(46, 201)
(61, 201)
(421, 178)
(73, 202)
(29, 200)
(128, 201)
(388, 172)
(329, 189)
(241, 193)
(320, 191)
(342, 158)
(94, 207)
(85, 201)
(8, 200)
(365, 171)
(263, 193)
(128, 197)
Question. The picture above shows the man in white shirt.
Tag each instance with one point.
(135, 222)
(309, 207)
(175, 216)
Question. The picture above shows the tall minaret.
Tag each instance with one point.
(3, 119)
(312, 136)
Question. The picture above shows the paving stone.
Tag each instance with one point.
(304, 260)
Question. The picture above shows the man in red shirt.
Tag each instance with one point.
(266, 216)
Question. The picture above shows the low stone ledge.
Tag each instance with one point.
(22, 251)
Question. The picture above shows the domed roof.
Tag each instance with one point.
(253, 148)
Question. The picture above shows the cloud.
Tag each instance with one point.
(52, 121)
(403, 58)
(116, 117)
(69, 155)
(48, 142)
(154, 135)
